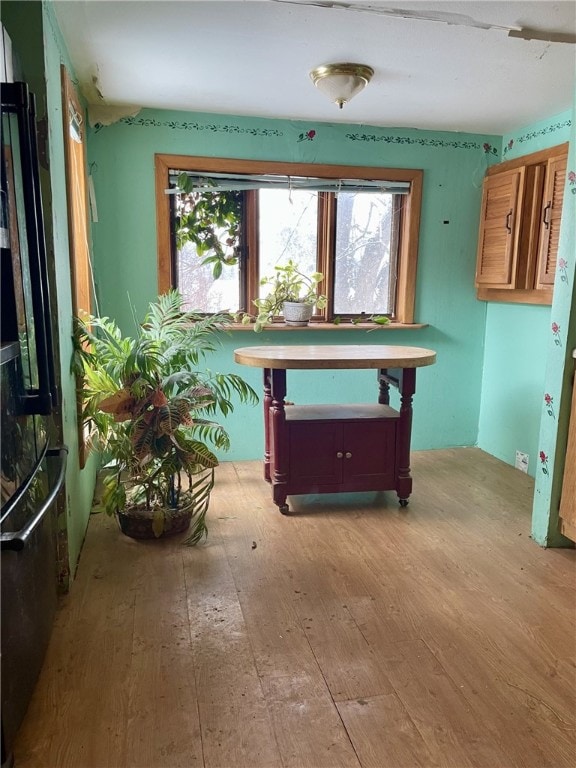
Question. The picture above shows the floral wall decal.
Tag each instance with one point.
(543, 462)
(563, 269)
(489, 149)
(545, 131)
(308, 136)
(421, 141)
(549, 400)
(572, 181)
(508, 147)
(556, 334)
(197, 125)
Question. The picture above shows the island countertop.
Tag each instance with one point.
(334, 356)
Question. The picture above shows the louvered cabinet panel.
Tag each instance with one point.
(499, 229)
(568, 498)
(550, 222)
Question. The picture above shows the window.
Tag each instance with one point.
(74, 139)
(77, 198)
(358, 226)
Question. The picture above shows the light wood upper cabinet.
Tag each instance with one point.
(519, 228)
(497, 241)
(550, 222)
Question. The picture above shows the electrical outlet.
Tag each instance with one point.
(521, 461)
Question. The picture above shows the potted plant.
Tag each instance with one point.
(293, 294)
(145, 400)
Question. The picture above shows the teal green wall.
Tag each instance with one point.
(79, 483)
(516, 340)
(36, 37)
(513, 380)
(559, 369)
(448, 395)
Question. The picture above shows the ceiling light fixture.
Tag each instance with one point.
(341, 82)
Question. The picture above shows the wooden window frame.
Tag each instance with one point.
(408, 228)
(78, 230)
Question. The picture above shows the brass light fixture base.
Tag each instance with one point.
(341, 82)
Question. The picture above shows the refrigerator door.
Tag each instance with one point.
(26, 301)
(31, 472)
(23, 436)
(28, 587)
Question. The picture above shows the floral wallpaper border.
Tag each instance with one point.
(310, 135)
(546, 131)
(421, 141)
(150, 122)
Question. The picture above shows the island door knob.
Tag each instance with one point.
(348, 455)
(339, 455)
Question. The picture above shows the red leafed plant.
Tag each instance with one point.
(145, 399)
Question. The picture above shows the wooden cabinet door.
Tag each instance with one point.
(550, 222)
(370, 452)
(362, 453)
(499, 225)
(315, 452)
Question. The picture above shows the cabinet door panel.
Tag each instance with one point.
(313, 449)
(499, 229)
(372, 446)
(568, 498)
(550, 223)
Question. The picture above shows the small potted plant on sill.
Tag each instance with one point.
(293, 294)
(143, 399)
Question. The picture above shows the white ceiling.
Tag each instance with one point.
(253, 58)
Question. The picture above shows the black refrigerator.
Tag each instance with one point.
(31, 469)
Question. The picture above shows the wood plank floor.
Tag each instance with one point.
(349, 634)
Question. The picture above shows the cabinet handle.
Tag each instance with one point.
(545, 218)
(339, 455)
(348, 455)
(508, 218)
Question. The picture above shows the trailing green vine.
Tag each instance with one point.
(211, 221)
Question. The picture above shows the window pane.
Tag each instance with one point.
(198, 287)
(288, 229)
(207, 228)
(365, 267)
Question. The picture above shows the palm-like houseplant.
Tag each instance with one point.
(146, 400)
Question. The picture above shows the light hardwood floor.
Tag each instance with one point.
(352, 633)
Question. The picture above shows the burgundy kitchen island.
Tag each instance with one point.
(344, 447)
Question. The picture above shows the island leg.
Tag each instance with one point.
(383, 387)
(267, 404)
(404, 479)
(279, 442)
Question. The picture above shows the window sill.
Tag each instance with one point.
(342, 326)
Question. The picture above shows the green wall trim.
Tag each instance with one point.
(546, 133)
(421, 141)
(51, 25)
(400, 138)
(195, 125)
